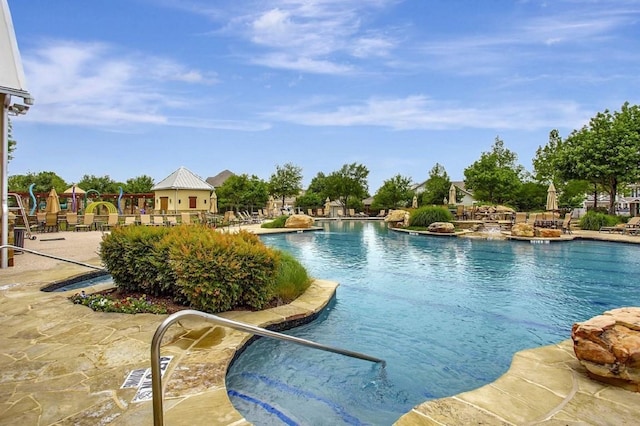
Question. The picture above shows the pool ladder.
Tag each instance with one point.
(156, 378)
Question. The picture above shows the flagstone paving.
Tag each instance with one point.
(62, 363)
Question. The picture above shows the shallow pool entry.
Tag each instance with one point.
(79, 282)
(447, 314)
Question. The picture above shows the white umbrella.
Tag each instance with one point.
(552, 199)
(452, 194)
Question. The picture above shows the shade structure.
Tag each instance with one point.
(452, 194)
(74, 189)
(53, 202)
(552, 198)
(213, 205)
(414, 203)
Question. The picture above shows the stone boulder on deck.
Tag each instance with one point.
(608, 346)
(442, 228)
(548, 233)
(522, 230)
(398, 217)
(299, 221)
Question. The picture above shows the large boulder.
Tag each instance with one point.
(608, 346)
(442, 228)
(522, 230)
(398, 217)
(548, 233)
(299, 221)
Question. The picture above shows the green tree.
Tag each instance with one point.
(349, 181)
(395, 192)
(257, 193)
(138, 185)
(605, 152)
(102, 184)
(286, 181)
(531, 196)
(44, 181)
(241, 192)
(495, 177)
(12, 142)
(437, 186)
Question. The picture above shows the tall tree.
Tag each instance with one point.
(102, 184)
(44, 181)
(606, 151)
(395, 192)
(495, 177)
(437, 186)
(139, 185)
(349, 181)
(286, 181)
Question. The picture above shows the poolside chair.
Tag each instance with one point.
(112, 221)
(51, 222)
(632, 227)
(41, 218)
(382, 213)
(310, 212)
(158, 220)
(185, 218)
(145, 219)
(533, 217)
(72, 221)
(87, 222)
(320, 212)
(340, 213)
(352, 212)
(172, 221)
(129, 220)
(521, 217)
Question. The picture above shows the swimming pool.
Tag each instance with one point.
(447, 314)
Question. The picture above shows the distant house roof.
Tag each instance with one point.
(217, 180)
(182, 178)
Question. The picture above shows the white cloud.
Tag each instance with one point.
(95, 84)
(420, 112)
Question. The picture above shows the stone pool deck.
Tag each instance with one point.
(65, 364)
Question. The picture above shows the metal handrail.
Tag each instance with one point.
(50, 256)
(156, 379)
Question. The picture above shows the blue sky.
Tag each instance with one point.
(131, 87)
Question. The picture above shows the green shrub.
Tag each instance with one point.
(278, 222)
(593, 221)
(425, 216)
(199, 267)
(129, 255)
(292, 279)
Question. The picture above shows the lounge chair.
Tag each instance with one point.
(185, 218)
(310, 212)
(521, 217)
(158, 221)
(382, 213)
(172, 221)
(129, 220)
(340, 213)
(112, 221)
(145, 219)
(87, 222)
(72, 221)
(352, 212)
(51, 222)
(632, 227)
(320, 212)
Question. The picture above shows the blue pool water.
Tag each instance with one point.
(447, 314)
(80, 283)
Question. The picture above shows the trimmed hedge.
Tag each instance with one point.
(278, 222)
(425, 216)
(204, 269)
(593, 221)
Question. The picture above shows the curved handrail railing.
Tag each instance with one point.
(50, 256)
(156, 379)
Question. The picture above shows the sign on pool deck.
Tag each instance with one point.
(141, 379)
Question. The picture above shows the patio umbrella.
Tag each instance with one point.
(327, 206)
(213, 203)
(552, 198)
(53, 202)
(414, 203)
(74, 191)
(452, 194)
